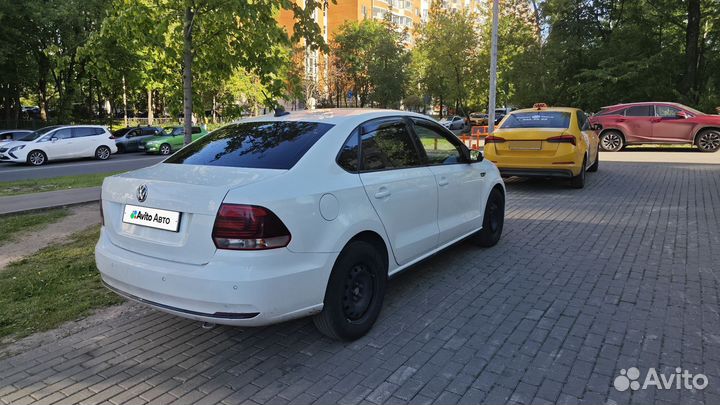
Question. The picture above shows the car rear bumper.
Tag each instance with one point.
(234, 288)
(561, 173)
(565, 162)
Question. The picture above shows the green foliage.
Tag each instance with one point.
(603, 52)
(57, 183)
(58, 284)
(373, 60)
(12, 225)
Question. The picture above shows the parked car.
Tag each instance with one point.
(500, 113)
(167, 144)
(545, 142)
(656, 122)
(129, 139)
(308, 213)
(9, 135)
(478, 119)
(60, 142)
(454, 122)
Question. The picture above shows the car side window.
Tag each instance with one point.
(388, 145)
(64, 133)
(82, 132)
(665, 111)
(640, 111)
(583, 122)
(349, 156)
(439, 150)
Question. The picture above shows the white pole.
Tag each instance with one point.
(493, 68)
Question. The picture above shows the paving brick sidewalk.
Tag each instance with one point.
(584, 283)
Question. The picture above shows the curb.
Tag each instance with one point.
(35, 202)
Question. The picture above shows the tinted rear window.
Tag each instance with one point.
(538, 119)
(260, 145)
(81, 132)
(640, 111)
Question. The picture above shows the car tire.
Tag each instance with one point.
(36, 158)
(102, 153)
(708, 140)
(354, 294)
(612, 141)
(165, 149)
(579, 180)
(596, 164)
(493, 220)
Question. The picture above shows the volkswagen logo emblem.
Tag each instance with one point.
(141, 193)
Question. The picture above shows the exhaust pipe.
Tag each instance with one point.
(208, 325)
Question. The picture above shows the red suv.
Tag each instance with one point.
(651, 122)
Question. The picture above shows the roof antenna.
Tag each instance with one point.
(280, 111)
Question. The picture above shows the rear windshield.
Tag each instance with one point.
(538, 119)
(259, 145)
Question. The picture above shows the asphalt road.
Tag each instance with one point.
(118, 162)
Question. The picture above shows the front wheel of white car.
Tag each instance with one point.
(354, 293)
(36, 158)
(493, 220)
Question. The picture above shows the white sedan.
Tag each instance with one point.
(60, 142)
(285, 216)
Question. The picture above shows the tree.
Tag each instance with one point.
(371, 60)
(604, 52)
(214, 38)
(449, 55)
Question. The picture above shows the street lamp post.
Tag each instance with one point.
(493, 68)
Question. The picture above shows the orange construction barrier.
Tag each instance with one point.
(476, 138)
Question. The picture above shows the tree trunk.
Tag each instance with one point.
(692, 37)
(214, 116)
(125, 102)
(441, 107)
(43, 72)
(150, 107)
(187, 73)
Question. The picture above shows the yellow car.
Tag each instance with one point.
(545, 142)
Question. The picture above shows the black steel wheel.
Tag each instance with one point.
(354, 294)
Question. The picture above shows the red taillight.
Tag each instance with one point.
(562, 139)
(248, 227)
(494, 139)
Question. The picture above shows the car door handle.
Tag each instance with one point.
(443, 181)
(620, 120)
(382, 193)
(656, 120)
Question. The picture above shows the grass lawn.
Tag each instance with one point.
(58, 183)
(12, 225)
(58, 284)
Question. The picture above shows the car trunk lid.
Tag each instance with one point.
(530, 142)
(193, 191)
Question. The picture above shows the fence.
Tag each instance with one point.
(476, 138)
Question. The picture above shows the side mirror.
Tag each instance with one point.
(53, 138)
(681, 114)
(476, 156)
